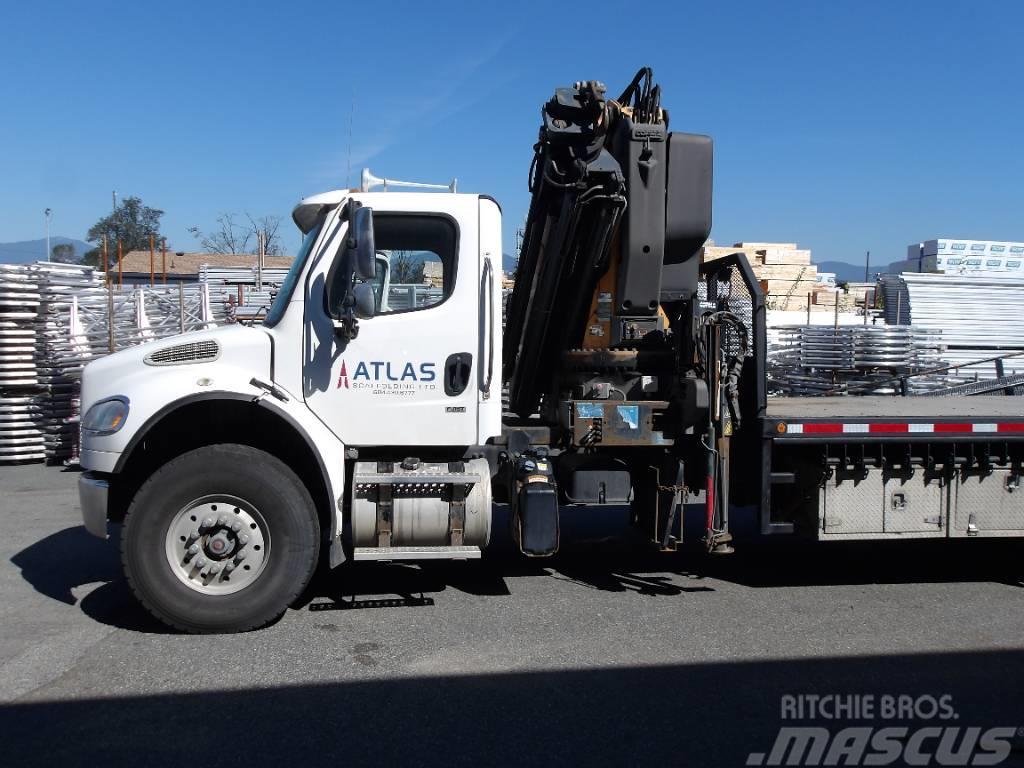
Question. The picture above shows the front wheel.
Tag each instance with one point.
(220, 539)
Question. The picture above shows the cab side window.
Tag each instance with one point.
(416, 260)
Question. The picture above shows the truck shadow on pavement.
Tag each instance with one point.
(707, 714)
(66, 562)
(590, 557)
(412, 585)
(779, 563)
(77, 569)
(65, 565)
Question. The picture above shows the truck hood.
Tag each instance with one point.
(235, 341)
(158, 373)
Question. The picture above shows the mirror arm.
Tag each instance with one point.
(347, 324)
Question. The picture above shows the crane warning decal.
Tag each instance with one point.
(385, 377)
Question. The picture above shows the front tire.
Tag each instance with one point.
(221, 539)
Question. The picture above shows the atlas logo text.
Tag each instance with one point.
(384, 370)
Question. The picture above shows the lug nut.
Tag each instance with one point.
(201, 563)
(236, 527)
(240, 557)
(244, 539)
(194, 549)
(207, 523)
(222, 520)
(214, 569)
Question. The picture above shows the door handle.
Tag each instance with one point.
(488, 291)
(456, 373)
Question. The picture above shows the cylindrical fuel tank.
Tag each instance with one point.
(421, 499)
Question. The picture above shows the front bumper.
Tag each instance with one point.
(93, 490)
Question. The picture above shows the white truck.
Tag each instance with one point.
(345, 426)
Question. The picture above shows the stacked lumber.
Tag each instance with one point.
(785, 272)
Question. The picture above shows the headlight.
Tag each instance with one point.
(106, 416)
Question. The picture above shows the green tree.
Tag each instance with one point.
(131, 223)
(63, 253)
(92, 257)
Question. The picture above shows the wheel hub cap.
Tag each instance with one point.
(217, 544)
(220, 545)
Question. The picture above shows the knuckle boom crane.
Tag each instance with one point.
(605, 341)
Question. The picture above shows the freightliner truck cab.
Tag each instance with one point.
(272, 414)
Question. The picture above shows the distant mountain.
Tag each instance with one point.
(27, 251)
(847, 273)
(508, 262)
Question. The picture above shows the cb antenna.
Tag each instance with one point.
(348, 168)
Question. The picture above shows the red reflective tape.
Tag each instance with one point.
(1011, 427)
(888, 427)
(954, 427)
(820, 428)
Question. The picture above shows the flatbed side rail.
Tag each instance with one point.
(889, 429)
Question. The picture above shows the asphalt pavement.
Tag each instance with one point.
(607, 654)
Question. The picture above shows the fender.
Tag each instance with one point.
(328, 450)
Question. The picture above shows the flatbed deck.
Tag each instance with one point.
(895, 418)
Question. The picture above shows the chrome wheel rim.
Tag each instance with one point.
(217, 544)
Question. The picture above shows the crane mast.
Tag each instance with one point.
(606, 344)
(620, 206)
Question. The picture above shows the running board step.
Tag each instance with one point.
(417, 553)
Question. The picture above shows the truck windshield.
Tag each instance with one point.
(284, 294)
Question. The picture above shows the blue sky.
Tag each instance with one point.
(844, 126)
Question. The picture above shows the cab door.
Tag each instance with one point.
(409, 378)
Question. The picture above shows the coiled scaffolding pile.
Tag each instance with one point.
(21, 409)
(56, 318)
(862, 360)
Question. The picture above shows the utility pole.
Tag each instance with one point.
(113, 224)
(867, 267)
(260, 248)
(47, 214)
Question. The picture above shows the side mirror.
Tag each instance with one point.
(366, 302)
(348, 302)
(360, 250)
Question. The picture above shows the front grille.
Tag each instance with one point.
(181, 354)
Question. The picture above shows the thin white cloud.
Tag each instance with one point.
(444, 95)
